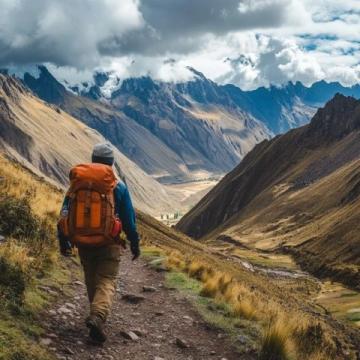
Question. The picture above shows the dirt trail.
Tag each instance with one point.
(162, 317)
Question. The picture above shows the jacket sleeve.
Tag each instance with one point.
(64, 206)
(64, 242)
(126, 212)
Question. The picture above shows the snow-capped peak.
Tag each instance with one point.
(112, 84)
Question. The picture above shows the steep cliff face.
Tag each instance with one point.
(300, 190)
(50, 142)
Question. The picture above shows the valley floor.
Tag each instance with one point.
(334, 298)
(167, 324)
(189, 193)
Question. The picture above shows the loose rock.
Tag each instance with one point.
(149, 289)
(133, 298)
(188, 318)
(181, 343)
(64, 310)
(130, 335)
(45, 342)
(69, 305)
(161, 269)
(68, 351)
(139, 332)
(242, 339)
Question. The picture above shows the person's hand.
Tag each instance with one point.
(64, 245)
(135, 250)
(121, 241)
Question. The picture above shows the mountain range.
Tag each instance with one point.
(299, 192)
(174, 132)
(49, 141)
(290, 106)
(184, 131)
(280, 108)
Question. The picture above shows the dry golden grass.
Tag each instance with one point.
(277, 341)
(45, 201)
(287, 334)
(17, 181)
(248, 295)
(224, 288)
(210, 287)
(16, 254)
(28, 207)
(273, 298)
(174, 261)
(319, 355)
(245, 309)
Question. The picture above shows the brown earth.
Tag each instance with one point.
(298, 192)
(292, 298)
(164, 316)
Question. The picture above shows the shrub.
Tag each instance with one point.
(276, 341)
(245, 309)
(310, 337)
(16, 218)
(28, 248)
(12, 283)
(18, 221)
(224, 282)
(215, 283)
(196, 269)
(210, 287)
(174, 261)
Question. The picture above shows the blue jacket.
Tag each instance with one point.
(124, 209)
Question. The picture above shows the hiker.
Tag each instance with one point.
(95, 209)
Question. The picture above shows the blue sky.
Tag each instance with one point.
(249, 43)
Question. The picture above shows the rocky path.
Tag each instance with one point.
(159, 323)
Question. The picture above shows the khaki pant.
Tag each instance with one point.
(101, 266)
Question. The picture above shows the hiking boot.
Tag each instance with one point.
(96, 324)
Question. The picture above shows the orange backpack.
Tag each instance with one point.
(91, 219)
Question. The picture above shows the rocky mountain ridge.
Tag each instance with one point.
(298, 191)
(280, 108)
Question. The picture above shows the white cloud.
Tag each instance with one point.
(66, 32)
(158, 68)
(247, 42)
(270, 60)
(348, 75)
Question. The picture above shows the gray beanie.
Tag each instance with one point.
(103, 153)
